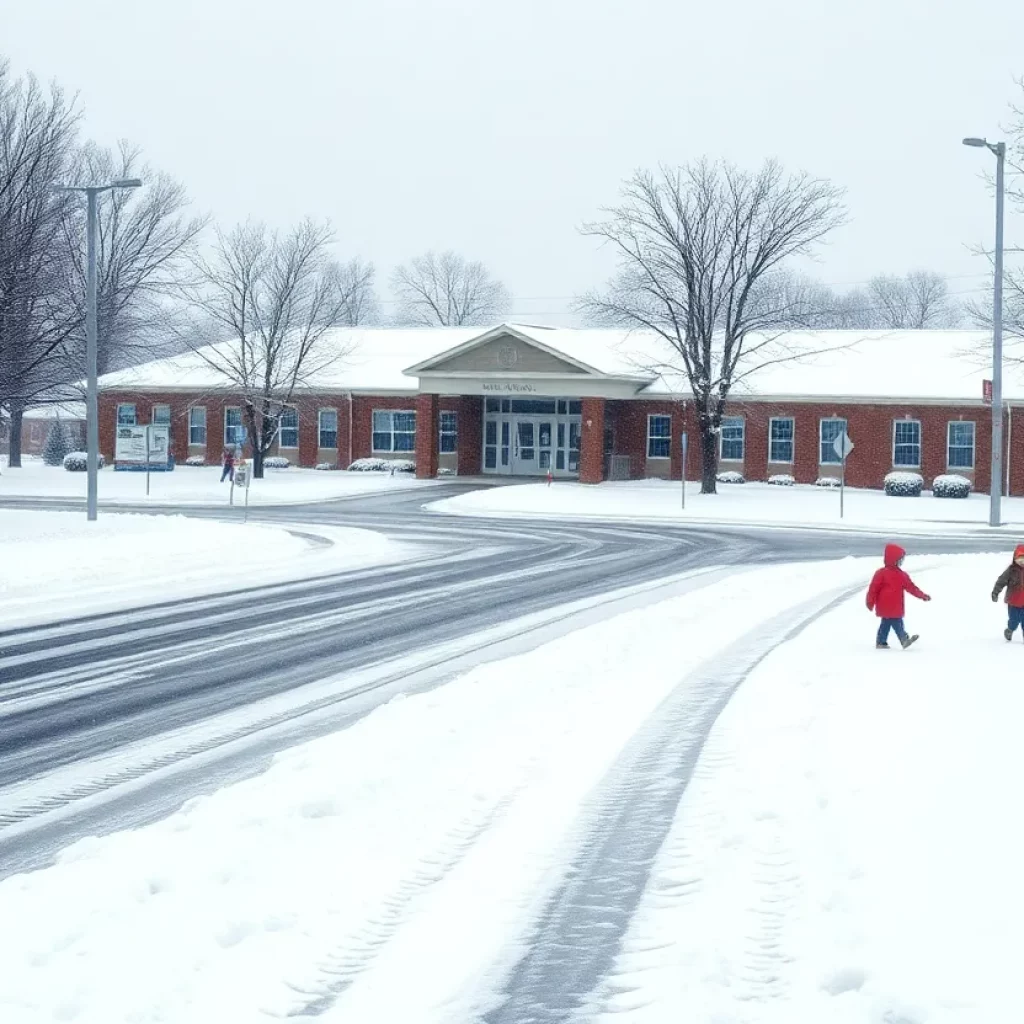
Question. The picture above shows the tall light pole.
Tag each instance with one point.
(92, 420)
(995, 488)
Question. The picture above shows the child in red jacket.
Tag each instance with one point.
(885, 597)
(1012, 580)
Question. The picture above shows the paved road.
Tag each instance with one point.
(129, 692)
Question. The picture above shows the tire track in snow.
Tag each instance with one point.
(338, 970)
(576, 943)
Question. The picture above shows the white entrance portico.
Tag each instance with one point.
(532, 398)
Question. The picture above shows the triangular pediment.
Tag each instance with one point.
(502, 351)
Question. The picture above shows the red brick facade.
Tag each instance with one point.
(609, 429)
(869, 426)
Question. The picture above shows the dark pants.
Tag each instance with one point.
(1015, 617)
(229, 473)
(896, 625)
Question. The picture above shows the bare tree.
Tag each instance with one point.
(694, 245)
(275, 298)
(145, 246)
(37, 133)
(444, 290)
(919, 301)
(357, 282)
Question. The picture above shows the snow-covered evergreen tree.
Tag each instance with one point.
(58, 444)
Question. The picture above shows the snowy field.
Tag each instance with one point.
(848, 849)
(55, 564)
(752, 503)
(189, 485)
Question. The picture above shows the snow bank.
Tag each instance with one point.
(198, 485)
(754, 503)
(55, 564)
(384, 874)
(849, 849)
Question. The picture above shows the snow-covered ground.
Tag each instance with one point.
(751, 503)
(191, 485)
(847, 850)
(56, 564)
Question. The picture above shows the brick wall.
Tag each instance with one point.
(592, 441)
(870, 427)
(471, 427)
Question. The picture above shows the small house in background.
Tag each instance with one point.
(36, 423)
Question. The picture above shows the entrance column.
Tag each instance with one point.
(426, 435)
(592, 442)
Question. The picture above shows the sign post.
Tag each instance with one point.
(682, 472)
(241, 479)
(147, 460)
(842, 446)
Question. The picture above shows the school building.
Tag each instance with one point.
(522, 401)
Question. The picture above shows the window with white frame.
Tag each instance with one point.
(288, 429)
(659, 437)
(394, 430)
(232, 426)
(126, 415)
(828, 431)
(906, 444)
(960, 445)
(162, 415)
(781, 431)
(197, 425)
(732, 438)
(448, 432)
(327, 428)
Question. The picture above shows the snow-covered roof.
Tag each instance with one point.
(856, 365)
(56, 410)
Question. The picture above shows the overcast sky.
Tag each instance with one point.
(496, 128)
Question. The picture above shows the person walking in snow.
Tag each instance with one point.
(228, 462)
(1011, 579)
(885, 597)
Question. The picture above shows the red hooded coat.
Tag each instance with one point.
(885, 594)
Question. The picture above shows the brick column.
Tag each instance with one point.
(471, 426)
(592, 442)
(427, 407)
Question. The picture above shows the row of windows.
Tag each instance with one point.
(906, 441)
(393, 430)
(288, 425)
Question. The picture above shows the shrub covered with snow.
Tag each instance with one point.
(730, 477)
(382, 466)
(951, 485)
(78, 462)
(58, 444)
(276, 462)
(827, 481)
(326, 467)
(904, 485)
(781, 480)
(195, 460)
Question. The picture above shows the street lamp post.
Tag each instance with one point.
(92, 420)
(995, 489)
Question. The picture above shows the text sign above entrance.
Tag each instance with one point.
(509, 388)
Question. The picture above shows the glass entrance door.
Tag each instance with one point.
(525, 449)
(545, 443)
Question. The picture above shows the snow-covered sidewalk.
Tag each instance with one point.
(200, 485)
(849, 849)
(751, 504)
(857, 806)
(56, 564)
